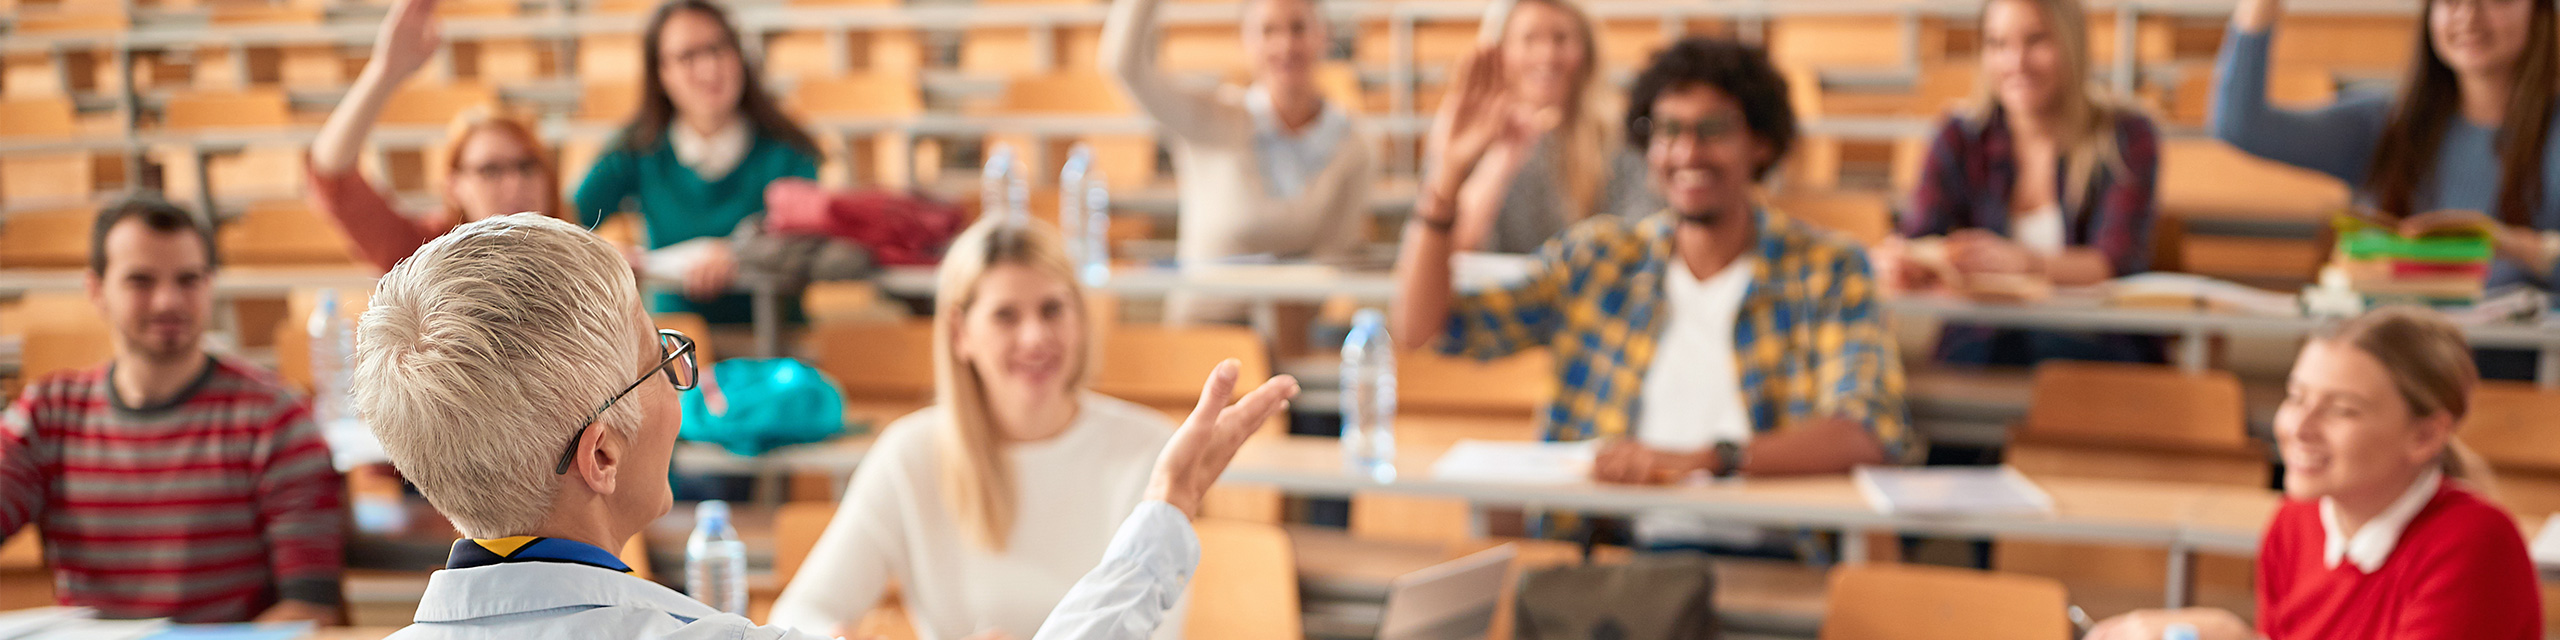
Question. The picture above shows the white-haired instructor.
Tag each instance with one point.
(513, 375)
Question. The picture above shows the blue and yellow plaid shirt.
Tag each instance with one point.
(1809, 342)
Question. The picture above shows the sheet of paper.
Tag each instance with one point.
(670, 263)
(15, 625)
(1477, 271)
(1517, 462)
(1951, 491)
(2546, 545)
(245, 631)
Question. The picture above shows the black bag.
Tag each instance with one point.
(1657, 597)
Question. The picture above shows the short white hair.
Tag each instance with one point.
(482, 352)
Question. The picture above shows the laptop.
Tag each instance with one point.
(1454, 600)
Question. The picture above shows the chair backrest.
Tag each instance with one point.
(219, 109)
(283, 233)
(1247, 585)
(1864, 217)
(608, 102)
(1914, 602)
(858, 95)
(434, 105)
(37, 117)
(1064, 93)
(2510, 425)
(84, 19)
(56, 239)
(1427, 382)
(2136, 406)
(796, 527)
(877, 361)
(1162, 366)
(62, 347)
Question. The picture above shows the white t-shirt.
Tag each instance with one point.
(2039, 230)
(1071, 492)
(1693, 390)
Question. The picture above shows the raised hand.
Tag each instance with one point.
(1477, 112)
(1208, 440)
(409, 39)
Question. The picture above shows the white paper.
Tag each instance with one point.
(1951, 491)
(2546, 545)
(351, 444)
(1517, 462)
(1478, 271)
(25, 623)
(670, 263)
(73, 623)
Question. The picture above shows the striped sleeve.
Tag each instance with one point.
(299, 494)
(22, 490)
(1500, 321)
(1860, 378)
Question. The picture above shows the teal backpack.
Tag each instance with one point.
(753, 405)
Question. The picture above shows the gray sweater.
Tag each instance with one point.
(2340, 139)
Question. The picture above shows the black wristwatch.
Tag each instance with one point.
(1728, 459)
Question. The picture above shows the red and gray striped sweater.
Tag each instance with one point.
(208, 508)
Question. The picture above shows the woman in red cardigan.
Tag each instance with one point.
(494, 164)
(2385, 533)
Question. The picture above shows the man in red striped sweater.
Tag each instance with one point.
(170, 482)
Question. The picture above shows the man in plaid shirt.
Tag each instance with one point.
(1714, 338)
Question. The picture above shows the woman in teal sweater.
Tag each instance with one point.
(697, 156)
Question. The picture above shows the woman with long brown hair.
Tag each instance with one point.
(494, 165)
(2388, 529)
(2045, 176)
(2468, 141)
(987, 506)
(697, 156)
(1557, 160)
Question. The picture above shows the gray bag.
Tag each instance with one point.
(1654, 597)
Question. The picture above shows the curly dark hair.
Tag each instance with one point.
(1739, 70)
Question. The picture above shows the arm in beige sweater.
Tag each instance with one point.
(1126, 58)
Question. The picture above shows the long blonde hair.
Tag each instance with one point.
(977, 479)
(2087, 113)
(1589, 133)
(2430, 367)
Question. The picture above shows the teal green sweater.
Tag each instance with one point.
(676, 205)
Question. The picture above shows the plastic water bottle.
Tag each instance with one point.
(715, 560)
(1094, 263)
(1369, 398)
(331, 345)
(2179, 631)
(1071, 200)
(1003, 189)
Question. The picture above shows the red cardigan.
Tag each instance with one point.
(2459, 573)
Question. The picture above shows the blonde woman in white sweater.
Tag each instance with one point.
(988, 506)
(1265, 169)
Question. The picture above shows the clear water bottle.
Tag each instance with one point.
(331, 345)
(715, 560)
(1369, 398)
(1071, 200)
(1004, 189)
(1094, 263)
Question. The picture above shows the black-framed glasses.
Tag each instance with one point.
(677, 364)
(1703, 130)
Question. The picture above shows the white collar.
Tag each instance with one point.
(710, 156)
(2373, 542)
(456, 595)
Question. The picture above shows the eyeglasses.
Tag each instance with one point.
(1704, 130)
(677, 364)
(495, 171)
(713, 51)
